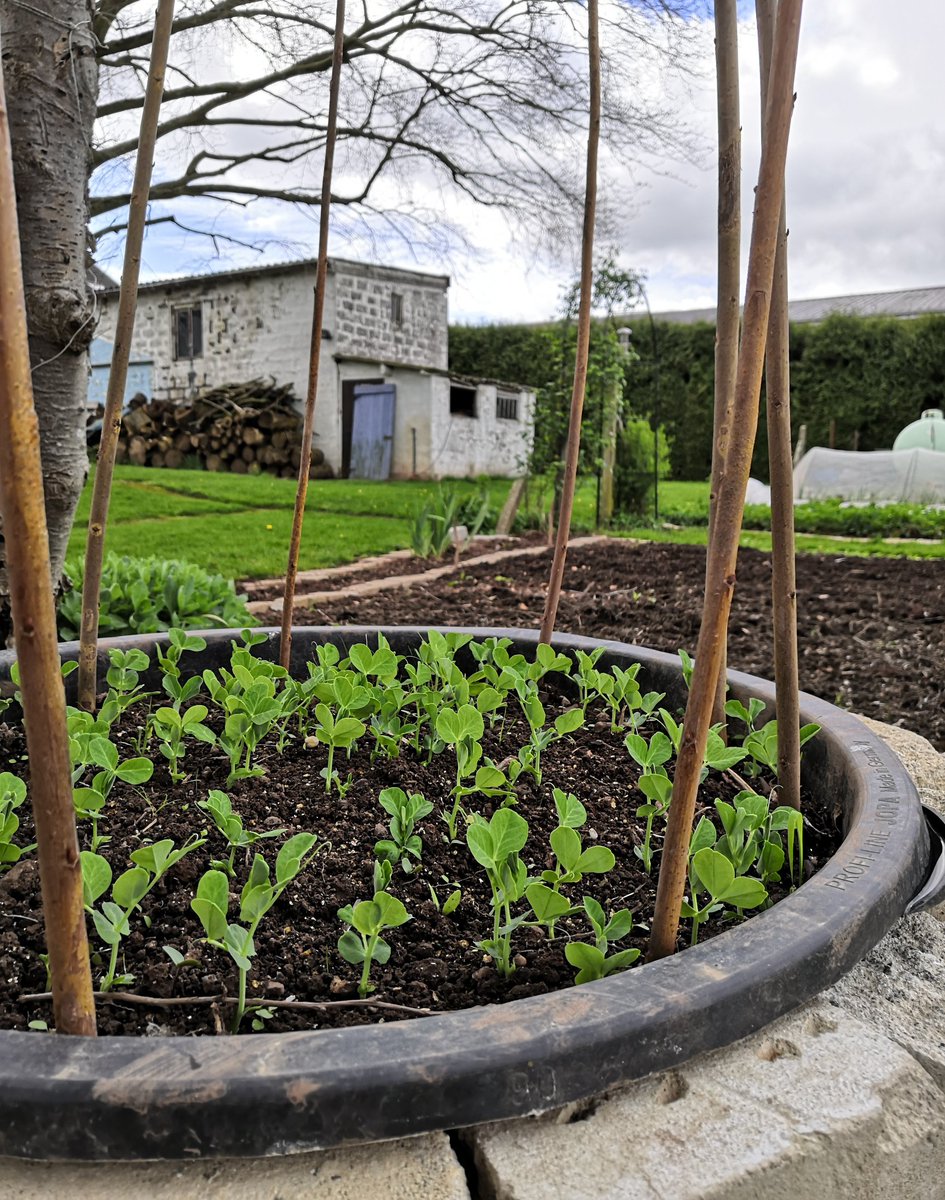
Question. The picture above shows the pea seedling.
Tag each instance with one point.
(111, 919)
(362, 943)
(259, 894)
(335, 733)
(12, 795)
(594, 962)
(403, 843)
(230, 824)
(711, 872)
(172, 726)
(461, 728)
(495, 845)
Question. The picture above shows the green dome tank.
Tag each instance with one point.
(928, 433)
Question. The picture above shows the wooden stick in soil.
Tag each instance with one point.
(34, 623)
(781, 467)
(118, 374)
(729, 271)
(573, 445)
(731, 499)
(321, 273)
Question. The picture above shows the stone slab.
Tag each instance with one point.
(920, 758)
(423, 1168)
(818, 1106)
(899, 988)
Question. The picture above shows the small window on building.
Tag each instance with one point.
(506, 406)
(396, 309)
(188, 332)
(462, 400)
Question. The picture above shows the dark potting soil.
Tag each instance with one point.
(435, 963)
(870, 630)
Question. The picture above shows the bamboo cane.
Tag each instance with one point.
(118, 374)
(731, 500)
(26, 547)
(321, 274)
(781, 467)
(573, 444)
(729, 271)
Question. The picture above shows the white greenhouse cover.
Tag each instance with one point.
(916, 475)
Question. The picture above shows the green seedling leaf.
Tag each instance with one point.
(96, 877)
(569, 721)
(211, 903)
(713, 871)
(130, 887)
(547, 904)
(571, 812)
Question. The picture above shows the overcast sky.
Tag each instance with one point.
(866, 180)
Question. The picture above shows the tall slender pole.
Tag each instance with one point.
(121, 354)
(781, 467)
(731, 499)
(321, 274)
(729, 272)
(573, 446)
(26, 544)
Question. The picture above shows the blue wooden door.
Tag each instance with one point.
(372, 431)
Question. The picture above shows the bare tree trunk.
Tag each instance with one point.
(34, 613)
(781, 465)
(729, 271)
(731, 502)
(52, 85)
(583, 332)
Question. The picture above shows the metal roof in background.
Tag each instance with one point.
(911, 302)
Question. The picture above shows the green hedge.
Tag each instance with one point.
(871, 375)
(834, 517)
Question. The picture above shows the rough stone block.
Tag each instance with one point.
(423, 1168)
(817, 1107)
(899, 988)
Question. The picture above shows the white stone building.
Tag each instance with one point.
(387, 405)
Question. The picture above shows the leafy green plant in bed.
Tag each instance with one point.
(112, 917)
(173, 727)
(496, 844)
(259, 894)
(220, 810)
(595, 961)
(149, 595)
(462, 729)
(542, 736)
(12, 795)
(403, 845)
(181, 691)
(572, 861)
(711, 874)
(91, 749)
(362, 944)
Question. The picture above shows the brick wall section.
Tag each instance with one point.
(363, 317)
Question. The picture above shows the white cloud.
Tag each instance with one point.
(866, 177)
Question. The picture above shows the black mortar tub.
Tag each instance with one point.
(115, 1098)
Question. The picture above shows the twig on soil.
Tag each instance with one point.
(183, 1001)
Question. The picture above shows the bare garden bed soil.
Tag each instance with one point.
(435, 963)
(871, 630)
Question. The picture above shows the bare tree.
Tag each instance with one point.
(444, 102)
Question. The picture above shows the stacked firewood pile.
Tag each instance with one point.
(246, 428)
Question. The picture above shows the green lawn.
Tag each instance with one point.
(239, 525)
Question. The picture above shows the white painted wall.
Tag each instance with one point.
(482, 445)
(258, 324)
